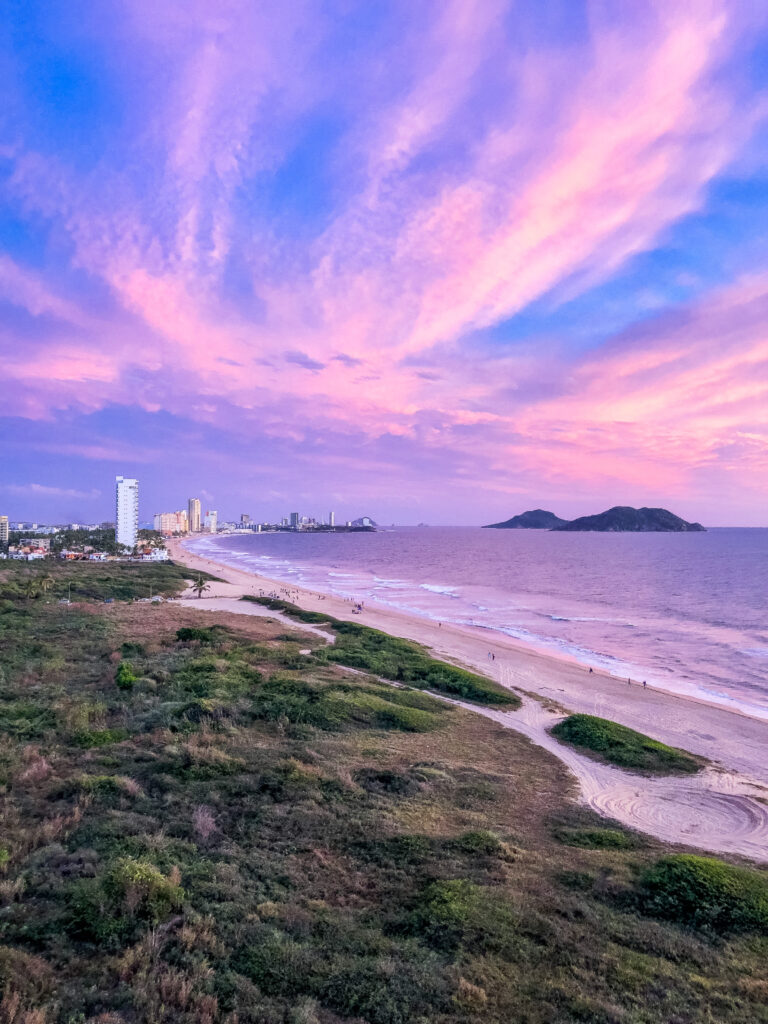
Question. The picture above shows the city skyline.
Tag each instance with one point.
(430, 262)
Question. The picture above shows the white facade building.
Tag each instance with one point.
(212, 521)
(126, 511)
(3, 529)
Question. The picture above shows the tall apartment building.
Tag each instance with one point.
(212, 521)
(126, 511)
(331, 518)
(171, 522)
(3, 529)
(294, 520)
(193, 515)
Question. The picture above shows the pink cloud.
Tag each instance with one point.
(563, 163)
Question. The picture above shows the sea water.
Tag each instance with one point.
(686, 611)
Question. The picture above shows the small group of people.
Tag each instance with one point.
(629, 681)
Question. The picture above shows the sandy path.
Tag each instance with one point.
(717, 810)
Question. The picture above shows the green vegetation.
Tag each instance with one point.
(389, 657)
(91, 581)
(124, 677)
(706, 893)
(616, 744)
(597, 838)
(249, 835)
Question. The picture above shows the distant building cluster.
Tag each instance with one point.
(184, 521)
(129, 541)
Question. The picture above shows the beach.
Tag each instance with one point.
(723, 809)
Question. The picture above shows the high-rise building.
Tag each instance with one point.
(331, 518)
(3, 529)
(126, 511)
(294, 520)
(245, 519)
(193, 515)
(171, 522)
(212, 521)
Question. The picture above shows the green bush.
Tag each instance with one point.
(203, 635)
(596, 838)
(132, 895)
(25, 720)
(124, 677)
(334, 708)
(88, 738)
(456, 912)
(704, 892)
(624, 747)
(480, 843)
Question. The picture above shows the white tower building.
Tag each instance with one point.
(127, 511)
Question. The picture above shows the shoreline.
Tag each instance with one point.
(618, 665)
(721, 810)
(726, 736)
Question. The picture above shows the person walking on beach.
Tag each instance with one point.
(645, 685)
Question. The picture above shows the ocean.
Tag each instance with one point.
(688, 611)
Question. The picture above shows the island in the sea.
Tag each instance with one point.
(619, 519)
(534, 519)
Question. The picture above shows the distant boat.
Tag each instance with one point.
(423, 524)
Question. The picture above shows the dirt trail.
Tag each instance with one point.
(715, 810)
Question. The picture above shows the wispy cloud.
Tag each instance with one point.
(312, 225)
(44, 491)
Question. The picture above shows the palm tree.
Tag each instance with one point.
(45, 583)
(199, 587)
(31, 588)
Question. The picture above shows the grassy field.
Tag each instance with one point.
(92, 581)
(202, 824)
(362, 647)
(616, 744)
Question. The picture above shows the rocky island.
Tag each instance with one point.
(622, 518)
(534, 519)
(619, 519)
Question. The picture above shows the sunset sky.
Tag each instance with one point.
(437, 260)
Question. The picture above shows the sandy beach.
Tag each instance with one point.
(723, 809)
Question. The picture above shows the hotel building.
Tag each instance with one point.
(126, 511)
(3, 529)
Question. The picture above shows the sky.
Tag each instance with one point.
(425, 260)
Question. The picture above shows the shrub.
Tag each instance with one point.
(456, 912)
(624, 747)
(133, 894)
(203, 635)
(124, 677)
(99, 737)
(142, 890)
(481, 843)
(596, 838)
(704, 892)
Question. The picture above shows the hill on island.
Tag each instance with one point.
(535, 519)
(622, 518)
